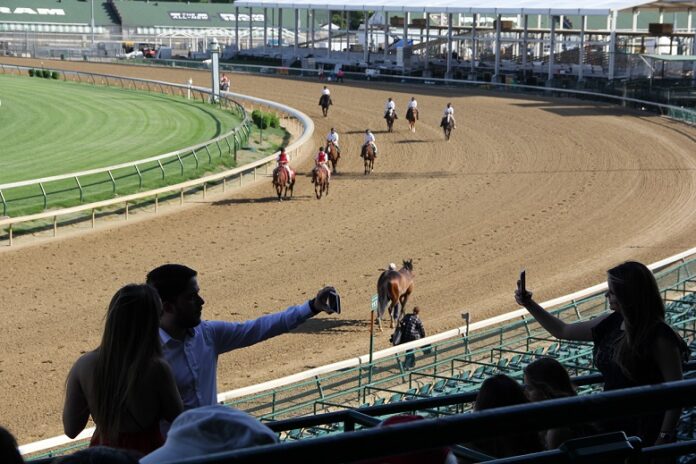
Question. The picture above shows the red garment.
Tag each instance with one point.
(283, 158)
(145, 441)
(321, 157)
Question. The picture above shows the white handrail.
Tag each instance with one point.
(72, 175)
(305, 120)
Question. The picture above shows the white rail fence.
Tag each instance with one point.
(303, 123)
(63, 440)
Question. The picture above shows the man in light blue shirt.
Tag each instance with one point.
(192, 346)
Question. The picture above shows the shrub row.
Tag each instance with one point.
(264, 120)
(45, 73)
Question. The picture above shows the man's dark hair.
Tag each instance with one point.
(170, 280)
(9, 453)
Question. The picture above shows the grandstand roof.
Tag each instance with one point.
(181, 15)
(54, 12)
(545, 7)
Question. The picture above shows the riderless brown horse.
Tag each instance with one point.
(282, 181)
(390, 117)
(325, 102)
(447, 125)
(368, 156)
(412, 117)
(393, 290)
(320, 178)
(334, 156)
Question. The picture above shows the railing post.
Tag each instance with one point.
(43, 191)
(93, 218)
(161, 167)
(4, 204)
(126, 210)
(140, 177)
(156, 203)
(113, 181)
(217, 142)
(181, 200)
(9, 233)
(55, 226)
(210, 158)
(181, 163)
(82, 196)
(204, 190)
(195, 157)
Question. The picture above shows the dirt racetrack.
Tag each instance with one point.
(564, 188)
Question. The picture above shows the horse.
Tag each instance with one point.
(282, 180)
(412, 117)
(390, 117)
(320, 177)
(368, 156)
(332, 151)
(393, 290)
(325, 102)
(447, 126)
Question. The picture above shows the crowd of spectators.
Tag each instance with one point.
(154, 373)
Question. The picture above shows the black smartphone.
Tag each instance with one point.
(334, 302)
(523, 281)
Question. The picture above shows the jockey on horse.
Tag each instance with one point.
(284, 163)
(321, 162)
(369, 139)
(325, 100)
(390, 106)
(412, 113)
(332, 137)
(449, 115)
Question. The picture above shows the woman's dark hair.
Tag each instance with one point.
(549, 379)
(636, 290)
(129, 344)
(498, 391)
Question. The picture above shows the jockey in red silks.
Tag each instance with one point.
(284, 162)
(321, 161)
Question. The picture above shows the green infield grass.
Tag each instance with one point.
(50, 127)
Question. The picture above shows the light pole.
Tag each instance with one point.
(214, 48)
(92, 22)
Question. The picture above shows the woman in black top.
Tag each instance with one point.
(632, 344)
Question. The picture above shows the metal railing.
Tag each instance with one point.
(615, 93)
(180, 162)
(293, 120)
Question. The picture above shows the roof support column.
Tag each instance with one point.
(328, 50)
(307, 29)
(427, 40)
(311, 26)
(280, 29)
(265, 29)
(386, 33)
(405, 29)
(634, 20)
(525, 42)
(693, 52)
(236, 28)
(448, 74)
(581, 55)
(366, 50)
(612, 45)
(297, 31)
(251, 29)
(689, 19)
(496, 73)
(552, 48)
(474, 19)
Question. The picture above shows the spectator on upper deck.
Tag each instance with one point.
(496, 392)
(192, 346)
(125, 384)
(547, 379)
(633, 345)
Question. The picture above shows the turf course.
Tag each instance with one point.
(50, 127)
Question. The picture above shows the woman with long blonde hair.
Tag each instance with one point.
(125, 384)
(633, 345)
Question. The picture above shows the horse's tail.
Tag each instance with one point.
(383, 298)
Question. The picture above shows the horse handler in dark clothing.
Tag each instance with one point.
(411, 329)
